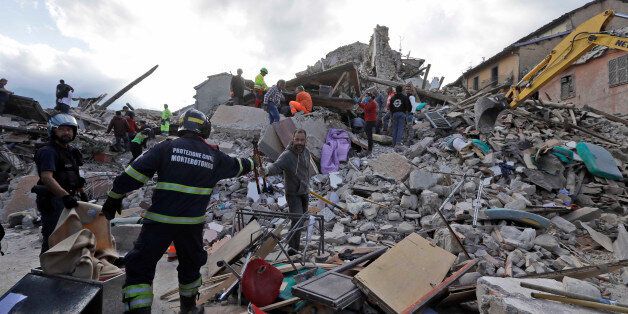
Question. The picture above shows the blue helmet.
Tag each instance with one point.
(194, 121)
(62, 119)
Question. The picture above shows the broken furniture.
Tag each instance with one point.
(332, 288)
(403, 274)
(243, 215)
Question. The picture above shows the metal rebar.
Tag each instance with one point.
(451, 230)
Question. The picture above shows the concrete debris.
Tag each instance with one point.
(540, 210)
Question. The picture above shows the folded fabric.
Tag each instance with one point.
(72, 253)
(73, 256)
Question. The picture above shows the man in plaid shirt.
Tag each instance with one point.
(272, 99)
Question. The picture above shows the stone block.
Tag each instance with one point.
(391, 165)
(269, 143)
(505, 295)
(409, 201)
(583, 214)
(563, 224)
(421, 180)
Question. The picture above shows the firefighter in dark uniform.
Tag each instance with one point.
(187, 169)
(60, 184)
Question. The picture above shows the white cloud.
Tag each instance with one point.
(193, 39)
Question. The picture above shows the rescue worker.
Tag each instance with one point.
(294, 163)
(187, 170)
(60, 184)
(137, 143)
(165, 120)
(303, 102)
(260, 87)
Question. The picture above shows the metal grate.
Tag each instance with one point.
(438, 120)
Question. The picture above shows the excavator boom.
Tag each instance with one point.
(581, 40)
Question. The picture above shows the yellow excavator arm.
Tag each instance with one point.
(581, 40)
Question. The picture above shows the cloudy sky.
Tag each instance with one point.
(98, 46)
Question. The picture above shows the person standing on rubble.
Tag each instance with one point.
(60, 183)
(165, 120)
(380, 99)
(303, 102)
(388, 114)
(187, 170)
(273, 99)
(369, 106)
(399, 107)
(260, 87)
(120, 130)
(137, 143)
(130, 119)
(4, 94)
(294, 163)
(64, 97)
(237, 89)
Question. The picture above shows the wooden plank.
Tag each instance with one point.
(233, 248)
(440, 289)
(342, 77)
(280, 304)
(408, 270)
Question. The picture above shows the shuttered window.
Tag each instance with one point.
(618, 71)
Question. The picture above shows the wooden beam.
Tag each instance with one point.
(127, 88)
(342, 77)
(607, 115)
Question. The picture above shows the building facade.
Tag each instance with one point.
(600, 81)
(512, 63)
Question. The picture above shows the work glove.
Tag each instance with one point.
(111, 207)
(69, 201)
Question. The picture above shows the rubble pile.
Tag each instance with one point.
(539, 200)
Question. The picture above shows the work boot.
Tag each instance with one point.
(188, 305)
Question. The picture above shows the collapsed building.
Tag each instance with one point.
(455, 220)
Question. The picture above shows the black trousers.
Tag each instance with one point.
(297, 204)
(151, 245)
(370, 125)
(50, 209)
(136, 151)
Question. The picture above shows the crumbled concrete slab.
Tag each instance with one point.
(563, 224)
(505, 295)
(269, 143)
(392, 165)
(239, 121)
(581, 287)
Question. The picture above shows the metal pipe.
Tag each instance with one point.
(584, 303)
(359, 260)
(451, 230)
(571, 294)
